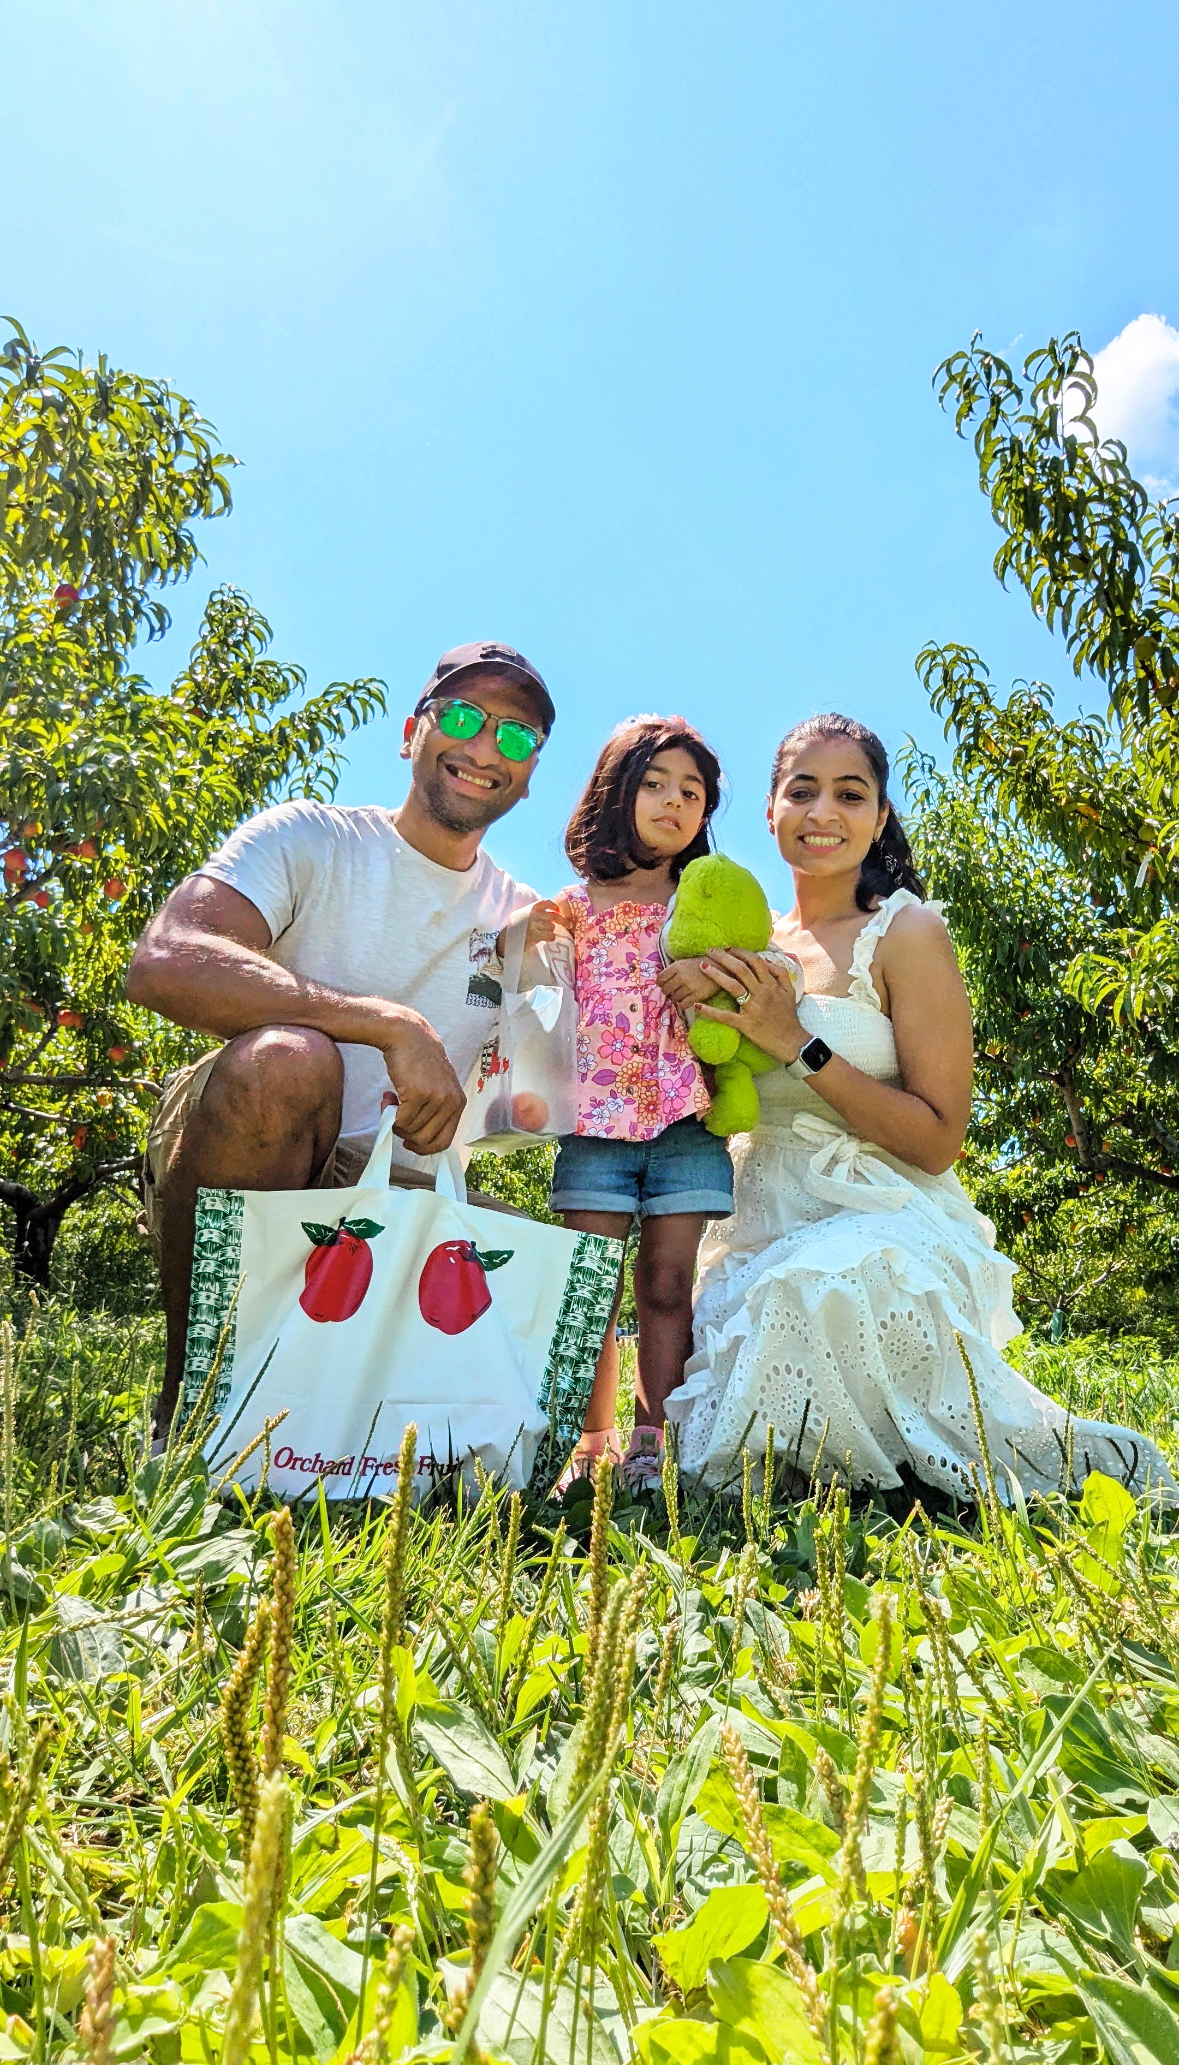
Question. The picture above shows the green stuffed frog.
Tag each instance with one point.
(718, 904)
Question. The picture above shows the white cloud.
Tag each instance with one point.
(1137, 376)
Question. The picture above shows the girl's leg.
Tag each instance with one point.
(664, 1274)
(604, 1396)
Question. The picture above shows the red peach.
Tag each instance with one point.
(529, 1112)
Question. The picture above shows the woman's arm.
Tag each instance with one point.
(924, 1121)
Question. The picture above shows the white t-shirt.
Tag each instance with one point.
(350, 903)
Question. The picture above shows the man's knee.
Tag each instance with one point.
(287, 1071)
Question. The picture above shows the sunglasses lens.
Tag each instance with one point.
(460, 720)
(515, 741)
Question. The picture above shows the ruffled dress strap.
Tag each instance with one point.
(862, 987)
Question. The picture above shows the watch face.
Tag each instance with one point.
(815, 1055)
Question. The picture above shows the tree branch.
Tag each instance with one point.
(81, 1082)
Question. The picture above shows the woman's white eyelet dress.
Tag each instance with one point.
(828, 1304)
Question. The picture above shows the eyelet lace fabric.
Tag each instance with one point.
(828, 1304)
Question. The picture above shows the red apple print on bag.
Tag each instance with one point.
(339, 1268)
(452, 1288)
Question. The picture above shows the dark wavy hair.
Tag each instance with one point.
(888, 863)
(600, 838)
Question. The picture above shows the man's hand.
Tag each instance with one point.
(430, 1100)
(546, 920)
(686, 984)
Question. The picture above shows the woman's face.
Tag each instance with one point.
(670, 804)
(826, 809)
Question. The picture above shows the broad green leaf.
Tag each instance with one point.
(684, 2040)
(512, 2015)
(763, 2002)
(1106, 1505)
(1135, 2027)
(217, 1559)
(723, 1925)
(528, 1890)
(209, 1943)
(334, 1961)
(684, 1777)
(321, 2034)
(941, 2013)
(1096, 1836)
(1163, 1816)
(87, 1647)
(466, 1750)
(1104, 1897)
(796, 1839)
(403, 2030)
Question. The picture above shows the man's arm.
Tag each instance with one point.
(202, 963)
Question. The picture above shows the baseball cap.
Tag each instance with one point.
(464, 659)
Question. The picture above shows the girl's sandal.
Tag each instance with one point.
(604, 1441)
(642, 1465)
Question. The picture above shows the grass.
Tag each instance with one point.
(671, 1783)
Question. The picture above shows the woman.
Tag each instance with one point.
(831, 1303)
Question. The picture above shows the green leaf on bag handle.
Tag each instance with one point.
(492, 1258)
(364, 1229)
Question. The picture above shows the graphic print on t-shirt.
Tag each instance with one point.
(483, 990)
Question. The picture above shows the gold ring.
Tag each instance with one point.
(743, 998)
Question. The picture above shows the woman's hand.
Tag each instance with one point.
(685, 984)
(767, 1010)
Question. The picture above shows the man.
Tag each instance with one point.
(342, 955)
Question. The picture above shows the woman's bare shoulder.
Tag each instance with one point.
(916, 942)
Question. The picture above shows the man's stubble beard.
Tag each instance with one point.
(456, 815)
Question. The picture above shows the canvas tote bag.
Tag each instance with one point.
(360, 1310)
(523, 1087)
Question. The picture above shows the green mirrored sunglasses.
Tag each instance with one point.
(461, 720)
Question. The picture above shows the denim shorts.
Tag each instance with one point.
(683, 1169)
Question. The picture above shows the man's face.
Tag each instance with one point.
(466, 784)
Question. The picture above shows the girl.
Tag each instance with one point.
(640, 1150)
(834, 1302)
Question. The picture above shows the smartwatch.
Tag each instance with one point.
(814, 1056)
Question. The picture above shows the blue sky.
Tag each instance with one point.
(607, 330)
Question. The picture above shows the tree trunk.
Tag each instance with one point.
(38, 1220)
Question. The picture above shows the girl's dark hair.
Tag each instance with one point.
(600, 838)
(888, 863)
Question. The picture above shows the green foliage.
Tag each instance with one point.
(1100, 564)
(111, 790)
(1075, 1119)
(1004, 1772)
(101, 1261)
(522, 1179)
(1055, 850)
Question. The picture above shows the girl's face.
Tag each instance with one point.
(671, 802)
(826, 809)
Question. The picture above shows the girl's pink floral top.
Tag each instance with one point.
(637, 1074)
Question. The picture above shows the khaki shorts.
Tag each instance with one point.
(344, 1166)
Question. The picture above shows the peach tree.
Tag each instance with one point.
(1055, 843)
(111, 788)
